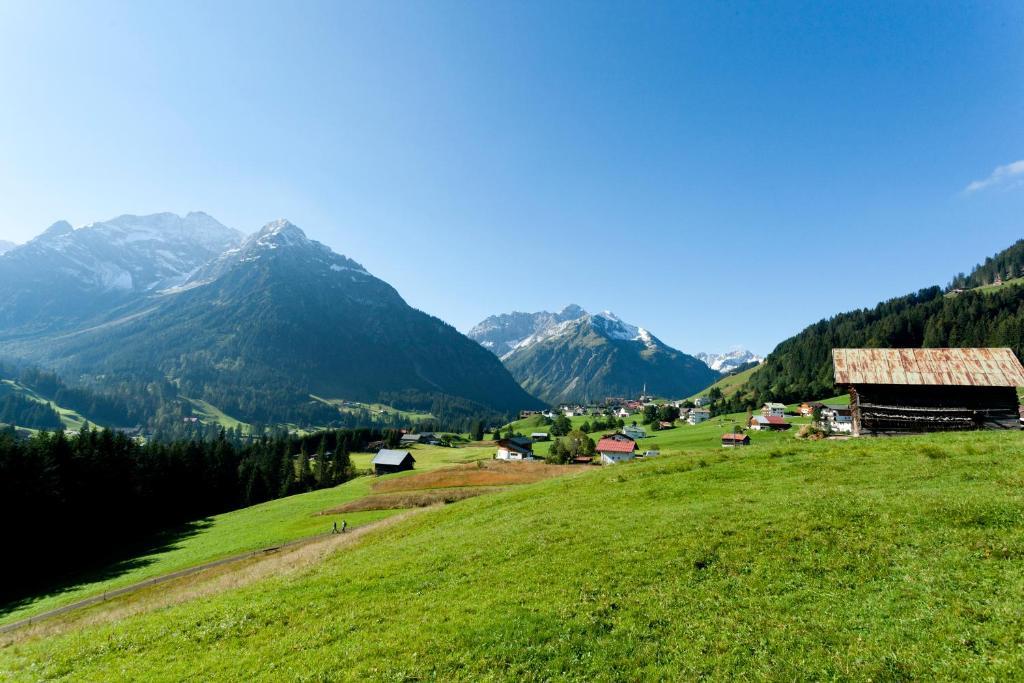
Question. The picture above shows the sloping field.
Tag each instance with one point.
(894, 559)
(481, 473)
(730, 384)
(270, 523)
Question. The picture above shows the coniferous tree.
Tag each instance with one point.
(320, 474)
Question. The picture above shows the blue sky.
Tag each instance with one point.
(721, 173)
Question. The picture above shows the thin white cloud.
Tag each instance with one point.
(1009, 175)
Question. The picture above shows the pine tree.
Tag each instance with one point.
(287, 474)
(320, 474)
(305, 474)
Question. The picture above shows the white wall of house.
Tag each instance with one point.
(612, 458)
(507, 454)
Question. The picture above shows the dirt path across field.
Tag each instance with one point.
(186, 584)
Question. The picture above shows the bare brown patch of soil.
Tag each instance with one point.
(401, 500)
(480, 473)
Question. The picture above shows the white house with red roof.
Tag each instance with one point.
(616, 448)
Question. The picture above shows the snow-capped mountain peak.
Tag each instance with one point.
(505, 334)
(729, 361)
(127, 253)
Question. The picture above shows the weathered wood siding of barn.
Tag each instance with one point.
(908, 409)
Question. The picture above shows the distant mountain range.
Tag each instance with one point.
(576, 356)
(6, 246)
(64, 276)
(729, 361)
(257, 327)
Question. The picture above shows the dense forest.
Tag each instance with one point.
(160, 410)
(22, 411)
(801, 367)
(1007, 264)
(78, 502)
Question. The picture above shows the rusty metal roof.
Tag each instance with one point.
(930, 367)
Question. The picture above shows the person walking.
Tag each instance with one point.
(344, 525)
(335, 529)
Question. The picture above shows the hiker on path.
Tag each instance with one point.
(344, 525)
(335, 529)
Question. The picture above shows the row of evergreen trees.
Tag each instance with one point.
(22, 411)
(78, 502)
(800, 368)
(1007, 264)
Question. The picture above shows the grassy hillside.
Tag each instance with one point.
(211, 414)
(730, 384)
(878, 559)
(234, 532)
(380, 409)
(684, 437)
(71, 419)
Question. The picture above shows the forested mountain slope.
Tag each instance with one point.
(258, 330)
(801, 367)
(594, 356)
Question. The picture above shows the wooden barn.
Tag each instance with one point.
(388, 461)
(907, 391)
(734, 440)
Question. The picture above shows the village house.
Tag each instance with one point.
(773, 410)
(523, 414)
(837, 419)
(733, 440)
(698, 415)
(424, 438)
(807, 409)
(760, 423)
(905, 391)
(634, 432)
(662, 424)
(388, 461)
(651, 454)
(621, 413)
(701, 401)
(516, 448)
(539, 436)
(615, 448)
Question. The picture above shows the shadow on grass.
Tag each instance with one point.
(103, 566)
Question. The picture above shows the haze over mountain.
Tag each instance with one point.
(66, 276)
(6, 246)
(576, 356)
(255, 330)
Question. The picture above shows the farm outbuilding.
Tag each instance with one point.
(388, 461)
(906, 391)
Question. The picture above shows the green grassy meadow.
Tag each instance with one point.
(211, 414)
(276, 521)
(71, 419)
(376, 408)
(866, 559)
(707, 435)
(730, 384)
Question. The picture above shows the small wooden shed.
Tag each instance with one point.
(733, 440)
(388, 461)
(905, 391)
